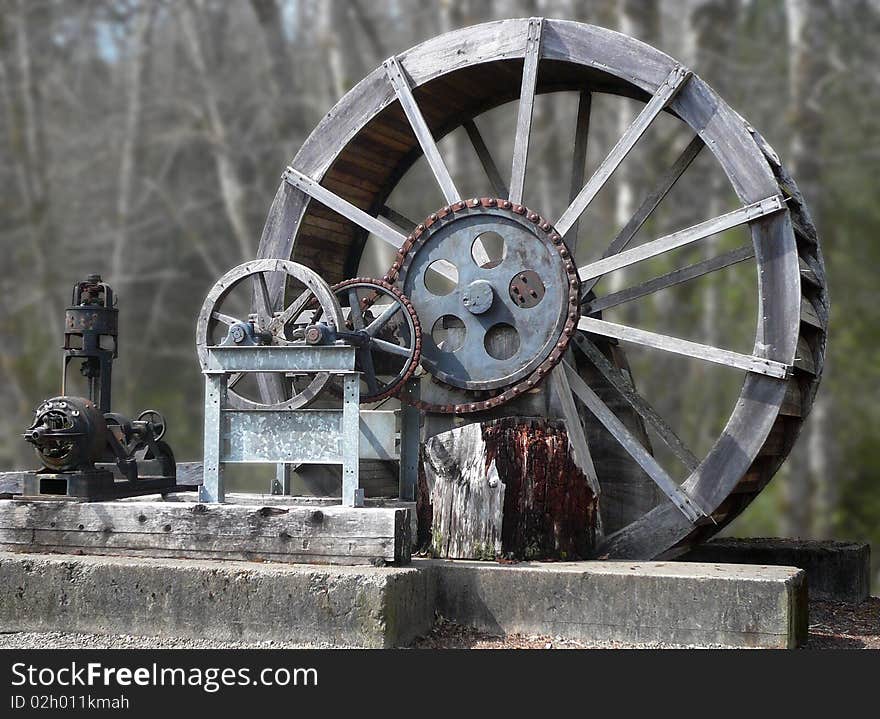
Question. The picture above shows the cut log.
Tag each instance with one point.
(509, 488)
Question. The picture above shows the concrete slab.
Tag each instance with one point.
(836, 571)
(637, 602)
(640, 602)
(224, 601)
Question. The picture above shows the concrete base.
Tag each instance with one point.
(224, 601)
(633, 602)
(639, 602)
(836, 571)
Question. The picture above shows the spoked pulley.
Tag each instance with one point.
(273, 323)
(381, 322)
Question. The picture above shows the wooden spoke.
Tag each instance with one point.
(330, 199)
(671, 278)
(750, 363)
(294, 309)
(420, 128)
(664, 95)
(354, 304)
(579, 161)
(485, 157)
(526, 106)
(390, 347)
(575, 429)
(624, 387)
(262, 300)
(402, 221)
(633, 447)
(682, 237)
(225, 319)
(377, 324)
(650, 203)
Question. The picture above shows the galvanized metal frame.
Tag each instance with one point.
(289, 437)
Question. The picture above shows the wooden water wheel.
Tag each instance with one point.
(334, 201)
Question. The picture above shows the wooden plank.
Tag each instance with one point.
(526, 107)
(665, 93)
(579, 161)
(280, 533)
(683, 237)
(486, 160)
(574, 428)
(670, 279)
(750, 363)
(344, 208)
(420, 128)
(624, 388)
(633, 447)
(809, 316)
(649, 204)
(804, 357)
(402, 221)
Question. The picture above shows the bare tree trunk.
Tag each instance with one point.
(231, 187)
(811, 492)
(133, 109)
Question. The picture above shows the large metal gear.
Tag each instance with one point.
(507, 312)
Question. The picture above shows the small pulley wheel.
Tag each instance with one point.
(381, 322)
(156, 420)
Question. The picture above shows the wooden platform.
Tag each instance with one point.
(277, 531)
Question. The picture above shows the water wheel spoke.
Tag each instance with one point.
(624, 387)
(262, 300)
(575, 429)
(670, 279)
(294, 309)
(728, 358)
(683, 237)
(664, 95)
(526, 107)
(396, 218)
(579, 160)
(377, 324)
(485, 158)
(420, 129)
(330, 199)
(357, 314)
(632, 445)
(649, 204)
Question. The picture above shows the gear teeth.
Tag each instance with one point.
(488, 399)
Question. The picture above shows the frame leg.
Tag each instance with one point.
(352, 494)
(410, 441)
(212, 489)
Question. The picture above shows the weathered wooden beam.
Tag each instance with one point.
(331, 535)
(649, 204)
(486, 160)
(420, 128)
(330, 199)
(575, 430)
(579, 161)
(526, 108)
(661, 98)
(632, 445)
(402, 221)
(750, 363)
(620, 382)
(687, 236)
(670, 279)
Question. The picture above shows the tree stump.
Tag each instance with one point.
(508, 488)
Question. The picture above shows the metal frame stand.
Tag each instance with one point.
(287, 438)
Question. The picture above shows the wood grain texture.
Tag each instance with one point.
(332, 535)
